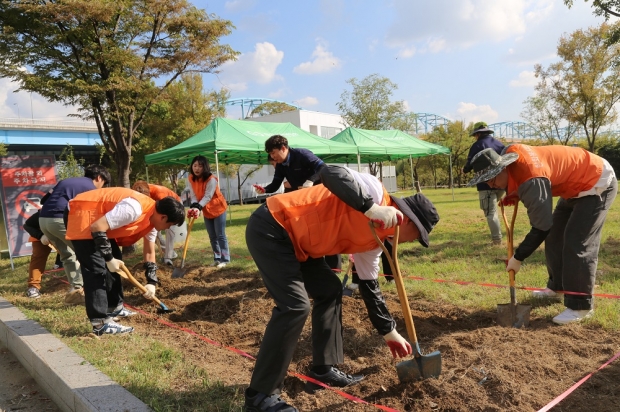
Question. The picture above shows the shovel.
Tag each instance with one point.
(127, 275)
(345, 290)
(179, 272)
(512, 314)
(421, 366)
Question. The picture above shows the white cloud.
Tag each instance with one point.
(258, 66)
(470, 112)
(26, 106)
(324, 61)
(448, 24)
(407, 52)
(307, 101)
(525, 79)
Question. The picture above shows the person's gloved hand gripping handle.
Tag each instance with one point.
(102, 244)
(397, 344)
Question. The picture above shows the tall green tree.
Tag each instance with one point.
(113, 59)
(585, 82)
(268, 108)
(182, 111)
(548, 118)
(368, 106)
(608, 9)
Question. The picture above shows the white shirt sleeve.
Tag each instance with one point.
(192, 195)
(370, 183)
(209, 192)
(125, 212)
(151, 236)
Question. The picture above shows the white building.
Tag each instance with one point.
(325, 125)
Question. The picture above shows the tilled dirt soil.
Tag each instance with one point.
(484, 367)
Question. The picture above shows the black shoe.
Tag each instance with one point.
(266, 403)
(334, 377)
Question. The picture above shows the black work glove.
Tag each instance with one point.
(196, 205)
(150, 273)
(102, 244)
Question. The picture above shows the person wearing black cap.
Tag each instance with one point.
(587, 186)
(489, 197)
(300, 228)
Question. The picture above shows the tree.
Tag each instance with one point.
(268, 108)
(3, 149)
(368, 106)
(585, 83)
(113, 59)
(183, 110)
(68, 165)
(547, 117)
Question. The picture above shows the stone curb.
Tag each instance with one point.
(70, 381)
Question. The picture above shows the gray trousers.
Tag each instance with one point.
(291, 284)
(488, 204)
(55, 230)
(571, 248)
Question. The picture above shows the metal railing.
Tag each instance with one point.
(47, 124)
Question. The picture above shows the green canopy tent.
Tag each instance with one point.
(243, 142)
(381, 145)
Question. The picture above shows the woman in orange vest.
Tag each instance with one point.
(288, 238)
(206, 198)
(586, 185)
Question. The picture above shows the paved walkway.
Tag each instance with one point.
(71, 383)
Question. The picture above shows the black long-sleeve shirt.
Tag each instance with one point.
(300, 166)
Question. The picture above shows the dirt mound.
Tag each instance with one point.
(484, 367)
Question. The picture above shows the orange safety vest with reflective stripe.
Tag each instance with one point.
(570, 170)
(87, 207)
(158, 192)
(320, 224)
(217, 205)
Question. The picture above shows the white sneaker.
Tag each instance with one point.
(221, 265)
(214, 264)
(570, 316)
(168, 262)
(547, 293)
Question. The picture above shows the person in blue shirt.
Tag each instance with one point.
(488, 196)
(54, 229)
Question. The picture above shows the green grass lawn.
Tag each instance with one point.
(460, 249)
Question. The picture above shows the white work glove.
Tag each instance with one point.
(114, 265)
(307, 183)
(259, 189)
(513, 264)
(193, 212)
(150, 291)
(386, 216)
(45, 240)
(398, 345)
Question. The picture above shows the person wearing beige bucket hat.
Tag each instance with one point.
(487, 196)
(587, 186)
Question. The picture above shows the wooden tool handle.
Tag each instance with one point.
(398, 279)
(133, 280)
(189, 230)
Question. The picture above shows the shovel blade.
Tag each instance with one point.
(513, 316)
(178, 273)
(420, 367)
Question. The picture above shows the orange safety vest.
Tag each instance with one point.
(217, 205)
(570, 170)
(320, 224)
(87, 207)
(158, 192)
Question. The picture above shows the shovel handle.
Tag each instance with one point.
(398, 279)
(510, 241)
(189, 229)
(127, 275)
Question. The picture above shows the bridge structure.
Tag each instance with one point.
(250, 103)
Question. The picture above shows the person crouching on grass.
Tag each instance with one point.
(288, 238)
(98, 222)
(587, 186)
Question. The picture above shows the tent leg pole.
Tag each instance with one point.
(359, 163)
(147, 174)
(411, 165)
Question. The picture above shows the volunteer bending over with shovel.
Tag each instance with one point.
(288, 238)
(98, 222)
(586, 185)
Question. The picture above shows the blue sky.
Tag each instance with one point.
(462, 59)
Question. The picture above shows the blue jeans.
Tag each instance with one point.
(216, 228)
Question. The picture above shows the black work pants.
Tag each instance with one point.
(291, 284)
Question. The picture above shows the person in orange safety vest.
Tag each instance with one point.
(289, 237)
(98, 222)
(587, 186)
